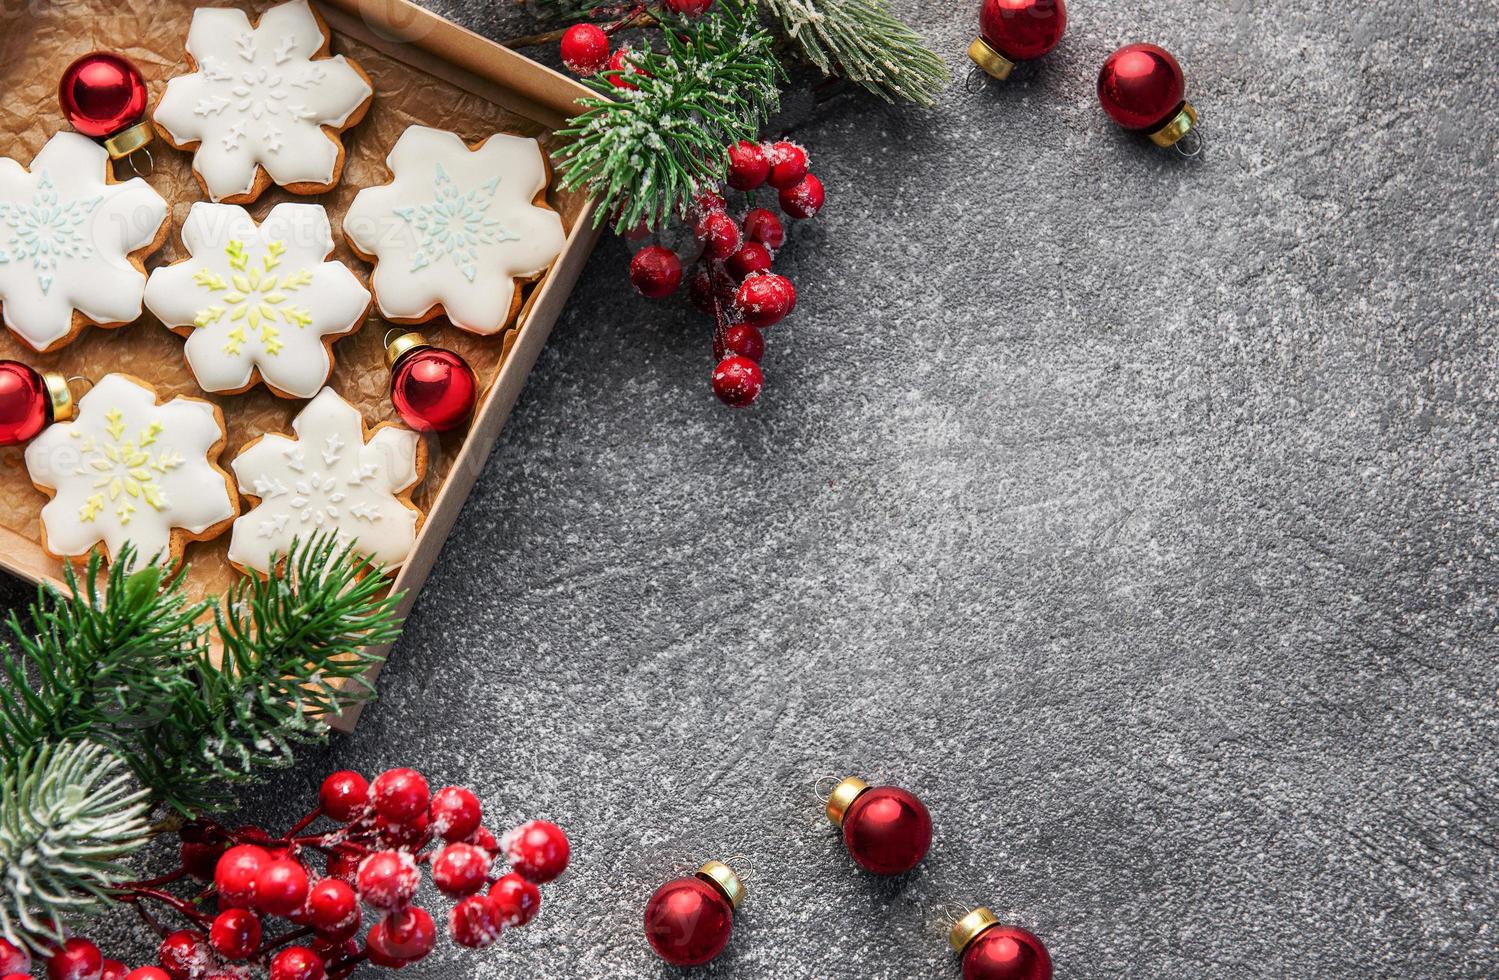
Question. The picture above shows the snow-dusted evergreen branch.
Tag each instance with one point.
(861, 41)
(68, 813)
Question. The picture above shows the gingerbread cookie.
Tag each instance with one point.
(456, 228)
(258, 304)
(72, 242)
(264, 104)
(334, 477)
(128, 468)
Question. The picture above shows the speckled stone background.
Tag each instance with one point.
(1139, 515)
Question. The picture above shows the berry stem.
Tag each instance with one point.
(342, 968)
(157, 882)
(304, 823)
(150, 920)
(187, 909)
(271, 945)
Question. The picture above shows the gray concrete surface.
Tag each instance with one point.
(1139, 515)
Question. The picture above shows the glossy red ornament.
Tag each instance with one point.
(433, 390)
(886, 830)
(993, 951)
(1142, 88)
(104, 96)
(1016, 30)
(30, 401)
(688, 921)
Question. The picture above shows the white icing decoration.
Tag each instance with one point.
(66, 235)
(128, 469)
(456, 227)
(247, 75)
(258, 298)
(327, 480)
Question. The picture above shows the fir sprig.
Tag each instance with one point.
(861, 41)
(644, 156)
(68, 813)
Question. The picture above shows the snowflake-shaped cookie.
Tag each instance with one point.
(258, 302)
(71, 242)
(332, 478)
(259, 101)
(455, 228)
(128, 469)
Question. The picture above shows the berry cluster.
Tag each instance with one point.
(372, 861)
(733, 282)
(585, 47)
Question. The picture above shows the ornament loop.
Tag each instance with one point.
(135, 162)
(1190, 146)
(975, 79)
(88, 383)
(743, 866)
(823, 787)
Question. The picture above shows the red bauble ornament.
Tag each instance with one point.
(409, 933)
(886, 830)
(331, 903)
(737, 381)
(1016, 30)
(433, 390)
(538, 850)
(78, 959)
(1142, 88)
(30, 401)
(388, 879)
(104, 96)
(748, 165)
(752, 257)
(585, 49)
(803, 199)
(992, 951)
(234, 877)
(688, 920)
(655, 272)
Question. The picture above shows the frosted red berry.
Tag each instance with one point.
(234, 877)
(765, 299)
(752, 257)
(409, 835)
(183, 954)
(788, 164)
(78, 959)
(737, 381)
(343, 864)
(455, 813)
(748, 165)
(719, 234)
(538, 850)
(655, 272)
(485, 838)
(13, 959)
(388, 879)
(706, 202)
(235, 933)
(475, 922)
(281, 887)
(622, 68)
(400, 795)
(744, 339)
(690, 8)
(297, 963)
(345, 795)
(114, 970)
(585, 49)
(764, 227)
(700, 291)
(460, 869)
(804, 199)
(410, 933)
(515, 899)
(148, 973)
(330, 905)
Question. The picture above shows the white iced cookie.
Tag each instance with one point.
(72, 242)
(264, 104)
(335, 478)
(258, 303)
(455, 228)
(129, 469)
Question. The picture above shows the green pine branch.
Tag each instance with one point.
(68, 813)
(861, 41)
(644, 154)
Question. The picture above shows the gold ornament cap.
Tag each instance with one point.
(1180, 125)
(990, 60)
(723, 876)
(843, 797)
(968, 928)
(127, 141)
(402, 345)
(59, 396)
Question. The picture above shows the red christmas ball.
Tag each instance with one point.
(803, 199)
(433, 390)
(1142, 87)
(886, 830)
(655, 272)
(1006, 953)
(748, 165)
(737, 381)
(1022, 30)
(25, 406)
(102, 93)
(234, 877)
(388, 879)
(688, 921)
(409, 933)
(297, 963)
(331, 904)
(585, 49)
(538, 850)
(78, 959)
